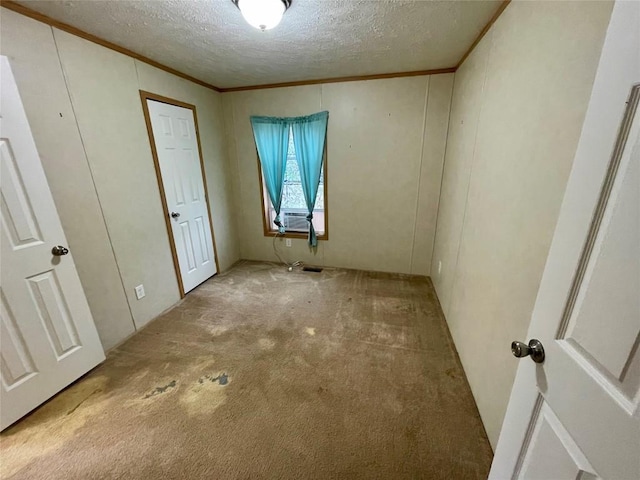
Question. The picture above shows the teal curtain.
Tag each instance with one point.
(272, 139)
(309, 134)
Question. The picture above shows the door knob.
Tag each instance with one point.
(59, 250)
(534, 350)
(175, 214)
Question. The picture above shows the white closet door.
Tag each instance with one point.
(48, 338)
(178, 155)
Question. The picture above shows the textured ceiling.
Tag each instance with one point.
(209, 39)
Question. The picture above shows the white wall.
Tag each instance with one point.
(385, 148)
(84, 108)
(518, 105)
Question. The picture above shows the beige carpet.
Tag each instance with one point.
(265, 374)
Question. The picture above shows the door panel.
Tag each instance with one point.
(48, 335)
(187, 243)
(202, 234)
(178, 159)
(552, 453)
(15, 359)
(174, 165)
(17, 214)
(615, 255)
(53, 312)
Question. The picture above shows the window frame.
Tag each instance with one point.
(264, 198)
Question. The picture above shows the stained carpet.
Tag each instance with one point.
(262, 373)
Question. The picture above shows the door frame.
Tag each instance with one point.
(144, 96)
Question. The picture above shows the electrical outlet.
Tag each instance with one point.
(140, 292)
(287, 242)
(439, 266)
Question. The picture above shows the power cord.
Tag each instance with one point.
(289, 266)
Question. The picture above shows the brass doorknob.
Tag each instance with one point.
(534, 349)
(59, 250)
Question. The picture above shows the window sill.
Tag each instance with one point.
(300, 235)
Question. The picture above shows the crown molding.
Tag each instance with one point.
(27, 12)
(354, 78)
(483, 32)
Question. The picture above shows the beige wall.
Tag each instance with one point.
(518, 105)
(386, 141)
(217, 168)
(516, 113)
(92, 138)
(33, 56)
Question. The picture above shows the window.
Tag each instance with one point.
(293, 211)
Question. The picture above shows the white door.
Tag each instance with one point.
(576, 415)
(48, 338)
(174, 134)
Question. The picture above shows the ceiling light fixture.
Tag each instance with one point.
(262, 14)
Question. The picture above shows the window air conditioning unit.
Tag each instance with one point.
(295, 221)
